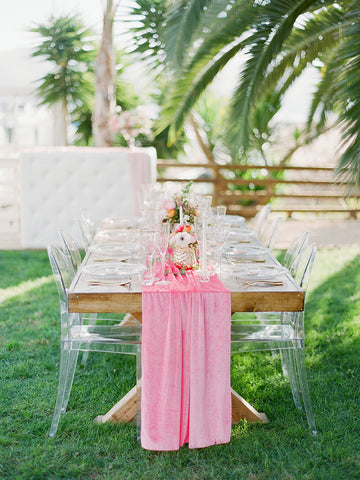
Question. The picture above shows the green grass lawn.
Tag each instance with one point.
(282, 449)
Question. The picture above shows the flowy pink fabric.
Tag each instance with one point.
(186, 391)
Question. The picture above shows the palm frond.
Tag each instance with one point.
(276, 21)
(182, 21)
(185, 93)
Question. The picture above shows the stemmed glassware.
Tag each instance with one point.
(220, 232)
(147, 249)
(201, 230)
(163, 234)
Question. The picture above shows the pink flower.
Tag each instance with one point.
(168, 205)
(114, 124)
(180, 228)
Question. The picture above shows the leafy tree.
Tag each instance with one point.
(67, 44)
(274, 42)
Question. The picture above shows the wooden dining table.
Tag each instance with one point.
(82, 298)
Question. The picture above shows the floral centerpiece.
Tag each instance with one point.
(181, 214)
(179, 210)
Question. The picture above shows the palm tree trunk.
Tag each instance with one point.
(104, 81)
(65, 122)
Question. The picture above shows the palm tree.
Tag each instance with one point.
(105, 80)
(66, 44)
(273, 43)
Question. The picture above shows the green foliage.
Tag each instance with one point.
(68, 46)
(281, 449)
(274, 43)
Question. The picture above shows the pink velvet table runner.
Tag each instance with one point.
(186, 390)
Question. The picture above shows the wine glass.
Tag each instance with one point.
(220, 233)
(201, 229)
(162, 241)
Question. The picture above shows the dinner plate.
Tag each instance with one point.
(123, 272)
(236, 253)
(241, 236)
(122, 235)
(115, 222)
(235, 220)
(258, 274)
(112, 250)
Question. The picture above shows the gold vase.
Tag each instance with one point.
(185, 257)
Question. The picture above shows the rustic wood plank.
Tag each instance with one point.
(124, 411)
(242, 410)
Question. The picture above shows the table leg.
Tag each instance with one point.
(126, 409)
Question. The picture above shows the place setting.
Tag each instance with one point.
(119, 274)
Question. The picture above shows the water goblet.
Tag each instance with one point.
(201, 231)
(162, 243)
(220, 232)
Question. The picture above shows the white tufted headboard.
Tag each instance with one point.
(58, 183)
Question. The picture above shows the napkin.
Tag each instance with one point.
(186, 391)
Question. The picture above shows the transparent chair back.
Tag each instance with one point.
(295, 248)
(285, 332)
(270, 231)
(107, 335)
(259, 221)
(71, 248)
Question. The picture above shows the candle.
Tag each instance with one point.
(203, 253)
(181, 214)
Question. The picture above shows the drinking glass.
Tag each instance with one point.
(218, 213)
(220, 233)
(201, 231)
(162, 243)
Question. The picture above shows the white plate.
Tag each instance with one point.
(114, 271)
(235, 253)
(113, 250)
(235, 220)
(114, 222)
(258, 274)
(241, 236)
(123, 235)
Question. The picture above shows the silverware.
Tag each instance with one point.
(263, 283)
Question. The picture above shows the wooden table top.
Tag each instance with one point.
(84, 298)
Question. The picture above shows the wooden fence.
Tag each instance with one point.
(244, 189)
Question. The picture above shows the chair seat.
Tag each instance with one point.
(257, 337)
(95, 334)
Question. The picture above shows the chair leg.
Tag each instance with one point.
(63, 371)
(66, 373)
(289, 368)
(73, 357)
(300, 361)
(91, 321)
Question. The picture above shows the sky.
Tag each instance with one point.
(17, 16)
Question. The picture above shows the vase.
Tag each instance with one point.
(185, 257)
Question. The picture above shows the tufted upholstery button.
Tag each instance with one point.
(57, 183)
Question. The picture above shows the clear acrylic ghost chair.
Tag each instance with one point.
(87, 228)
(73, 252)
(270, 231)
(295, 249)
(285, 332)
(259, 221)
(71, 248)
(77, 335)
